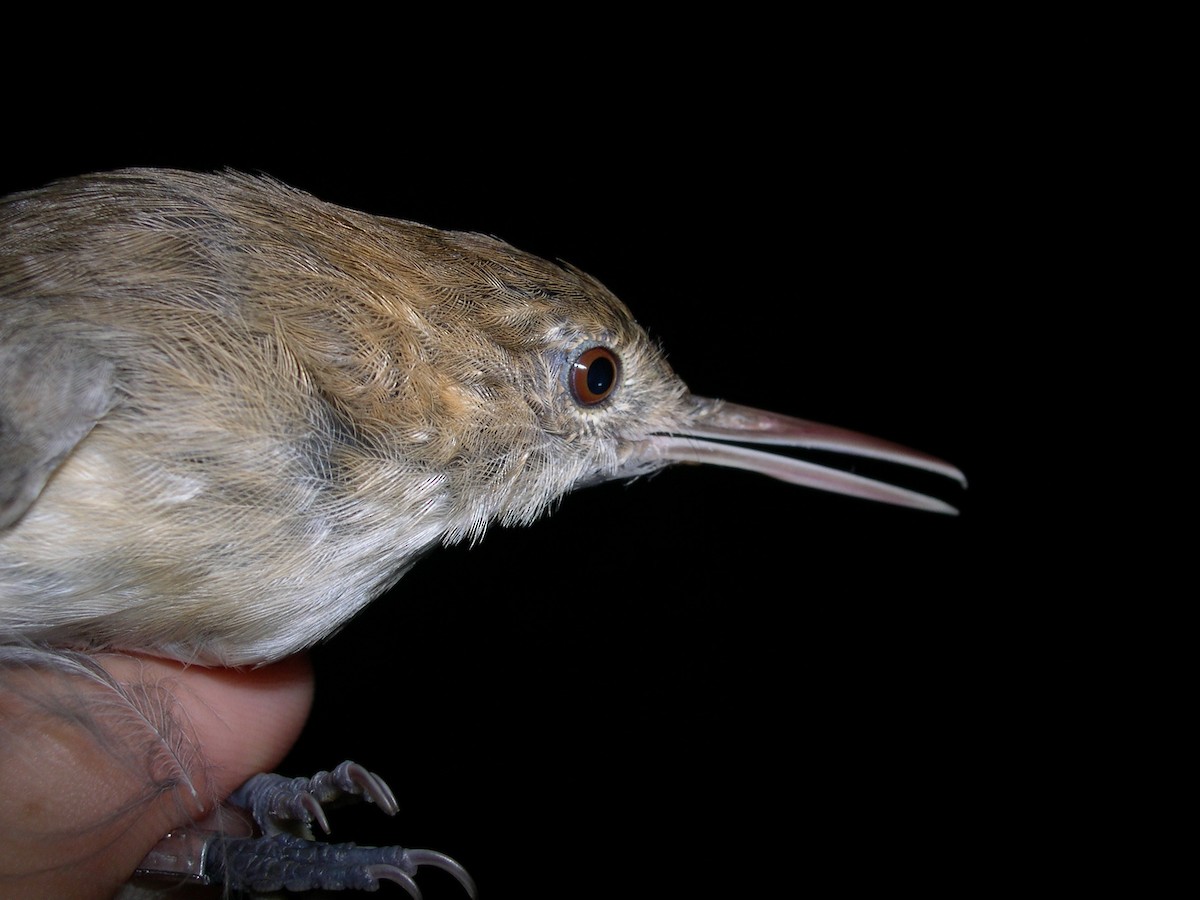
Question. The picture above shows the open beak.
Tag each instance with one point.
(716, 424)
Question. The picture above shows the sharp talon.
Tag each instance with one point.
(383, 796)
(373, 788)
(391, 873)
(314, 810)
(285, 854)
(446, 864)
(346, 773)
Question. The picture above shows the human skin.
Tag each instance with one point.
(87, 789)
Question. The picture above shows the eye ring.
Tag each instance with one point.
(593, 375)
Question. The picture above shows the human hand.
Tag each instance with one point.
(91, 781)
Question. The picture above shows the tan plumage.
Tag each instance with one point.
(231, 414)
(292, 401)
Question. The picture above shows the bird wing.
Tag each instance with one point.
(52, 392)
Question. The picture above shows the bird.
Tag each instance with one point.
(232, 415)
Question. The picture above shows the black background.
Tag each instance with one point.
(706, 681)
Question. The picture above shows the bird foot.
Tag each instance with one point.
(284, 855)
(280, 804)
(284, 861)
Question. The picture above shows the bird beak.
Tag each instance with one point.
(706, 440)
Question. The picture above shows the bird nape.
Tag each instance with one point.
(231, 415)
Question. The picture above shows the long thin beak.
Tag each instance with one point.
(716, 424)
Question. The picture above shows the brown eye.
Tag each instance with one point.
(594, 375)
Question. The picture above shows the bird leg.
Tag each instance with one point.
(283, 853)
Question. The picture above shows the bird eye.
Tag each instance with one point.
(593, 375)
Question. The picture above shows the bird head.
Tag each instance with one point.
(541, 381)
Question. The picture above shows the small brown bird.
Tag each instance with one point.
(231, 414)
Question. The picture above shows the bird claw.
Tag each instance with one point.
(281, 804)
(284, 861)
(284, 854)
